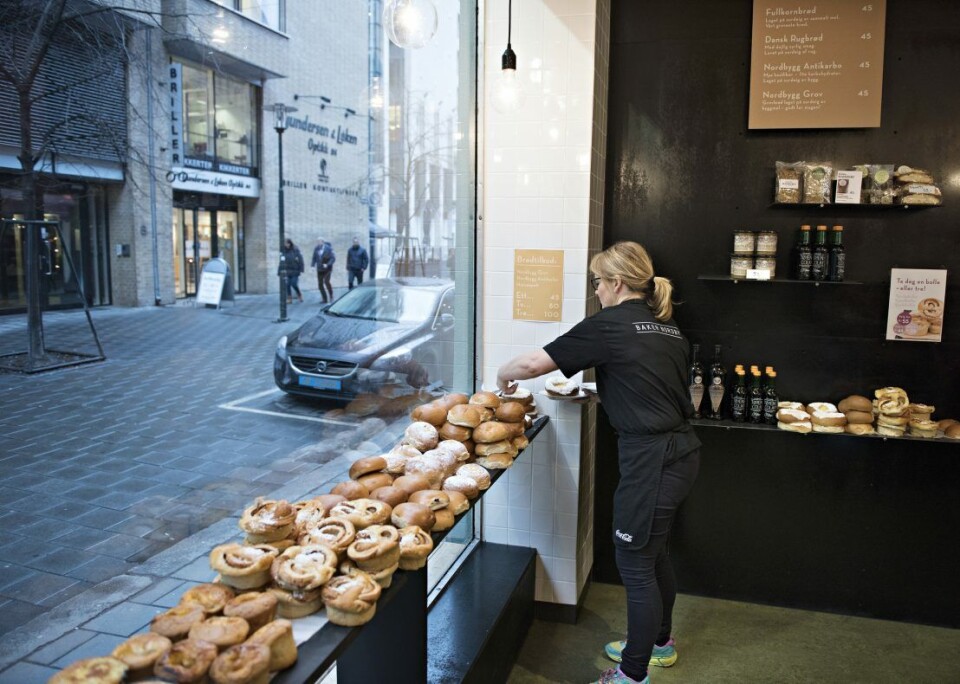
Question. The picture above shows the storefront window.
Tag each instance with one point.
(270, 13)
(198, 112)
(235, 123)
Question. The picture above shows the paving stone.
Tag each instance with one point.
(65, 644)
(68, 510)
(84, 538)
(136, 526)
(120, 546)
(100, 645)
(27, 673)
(66, 593)
(38, 587)
(99, 568)
(197, 571)
(14, 613)
(60, 560)
(103, 518)
(158, 594)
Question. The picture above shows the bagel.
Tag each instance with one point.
(859, 429)
(363, 466)
(828, 419)
(855, 402)
(791, 415)
(859, 417)
(822, 406)
(803, 426)
(796, 405)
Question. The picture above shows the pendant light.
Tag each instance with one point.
(508, 95)
(410, 24)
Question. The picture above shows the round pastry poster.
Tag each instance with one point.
(915, 312)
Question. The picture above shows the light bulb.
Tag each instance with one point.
(410, 23)
(372, 98)
(508, 95)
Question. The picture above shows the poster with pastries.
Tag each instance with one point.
(917, 300)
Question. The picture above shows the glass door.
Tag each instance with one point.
(185, 252)
(226, 239)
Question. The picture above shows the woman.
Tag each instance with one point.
(291, 266)
(641, 360)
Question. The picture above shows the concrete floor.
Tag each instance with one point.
(731, 642)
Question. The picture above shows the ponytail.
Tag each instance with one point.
(632, 264)
(661, 301)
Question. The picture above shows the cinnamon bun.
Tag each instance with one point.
(351, 600)
(278, 637)
(256, 607)
(304, 568)
(242, 664)
(243, 567)
(268, 520)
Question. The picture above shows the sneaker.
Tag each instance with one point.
(615, 676)
(662, 656)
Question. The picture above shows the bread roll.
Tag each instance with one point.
(458, 503)
(502, 447)
(802, 426)
(520, 442)
(496, 461)
(457, 432)
(329, 500)
(389, 495)
(488, 399)
(435, 499)
(859, 429)
(433, 413)
(828, 429)
(946, 422)
(456, 448)
(510, 412)
(350, 490)
(362, 466)
(405, 450)
(822, 406)
(421, 435)
(476, 473)
(827, 419)
(375, 480)
(492, 431)
(453, 399)
(952, 432)
(855, 402)
(859, 417)
(411, 482)
(463, 484)
(444, 520)
(410, 513)
(429, 468)
(464, 415)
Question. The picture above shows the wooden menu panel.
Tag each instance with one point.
(538, 284)
(817, 63)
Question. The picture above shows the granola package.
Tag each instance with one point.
(817, 182)
(789, 182)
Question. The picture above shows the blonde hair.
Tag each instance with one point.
(631, 263)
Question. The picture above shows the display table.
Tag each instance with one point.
(393, 647)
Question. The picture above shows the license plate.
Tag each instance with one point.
(319, 383)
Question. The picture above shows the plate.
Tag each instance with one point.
(588, 387)
(579, 395)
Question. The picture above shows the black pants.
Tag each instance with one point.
(647, 573)
(354, 273)
(293, 285)
(323, 283)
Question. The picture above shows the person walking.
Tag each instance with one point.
(323, 258)
(641, 359)
(357, 261)
(291, 266)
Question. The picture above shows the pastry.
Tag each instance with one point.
(337, 533)
(221, 631)
(256, 607)
(304, 568)
(176, 622)
(477, 473)
(415, 546)
(364, 466)
(242, 664)
(362, 512)
(923, 428)
(268, 520)
(278, 637)
(91, 670)
(421, 435)
(376, 547)
(463, 484)
(351, 600)
(309, 515)
(212, 597)
(296, 604)
(435, 499)
(413, 514)
(140, 652)
(281, 544)
(186, 661)
(243, 567)
(350, 490)
(382, 577)
(560, 386)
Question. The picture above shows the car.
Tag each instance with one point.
(382, 332)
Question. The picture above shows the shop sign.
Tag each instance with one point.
(816, 64)
(175, 88)
(213, 182)
(917, 299)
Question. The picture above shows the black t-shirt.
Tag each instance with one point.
(641, 366)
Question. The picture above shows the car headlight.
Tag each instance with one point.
(401, 354)
(282, 346)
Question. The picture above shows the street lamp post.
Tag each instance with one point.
(280, 112)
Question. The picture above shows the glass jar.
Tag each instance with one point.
(739, 263)
(767, 242)
(768, 263)
(744, 241)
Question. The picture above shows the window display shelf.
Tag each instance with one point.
(726, 424)
(832, 205)
(815, 283)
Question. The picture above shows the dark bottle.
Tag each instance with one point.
(756, 399)
(718, 375)
(837, 262)
(820, 262)
(695, 376)
(770, 398)
(739, 397)
(803, 255)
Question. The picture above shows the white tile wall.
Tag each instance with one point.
(543, 188)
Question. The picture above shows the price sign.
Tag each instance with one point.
(817, 64)
(538, 285)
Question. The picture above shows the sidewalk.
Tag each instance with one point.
(117, 478)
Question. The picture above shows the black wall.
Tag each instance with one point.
(684, 172)
(776, 516)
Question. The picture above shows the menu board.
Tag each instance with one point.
(917, 298)
(817, 64)
(537, 284)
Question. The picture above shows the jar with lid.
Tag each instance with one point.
(744, 241)
(767, 242)
(739, 264)
(768, 263)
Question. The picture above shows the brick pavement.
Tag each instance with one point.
(116, 478)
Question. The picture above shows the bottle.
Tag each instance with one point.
(820, 261)
(837, 261)
(695, 376)
(802, 255)
(756, 398)
(770, 398)
(739, 396)
(718, 376)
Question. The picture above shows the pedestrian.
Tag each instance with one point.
(641, 359)
(357, 261)
(291, 266)
(323, 258)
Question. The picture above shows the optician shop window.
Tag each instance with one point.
(220, 132)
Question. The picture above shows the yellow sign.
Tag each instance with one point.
(538, 284)
(817, 63)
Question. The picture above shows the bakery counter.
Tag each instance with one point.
(854, 525)
(392, 647)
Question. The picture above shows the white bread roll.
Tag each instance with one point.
(802, 426)
(464, 415)
(860, 417)
(493, 431)
(789, 415)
